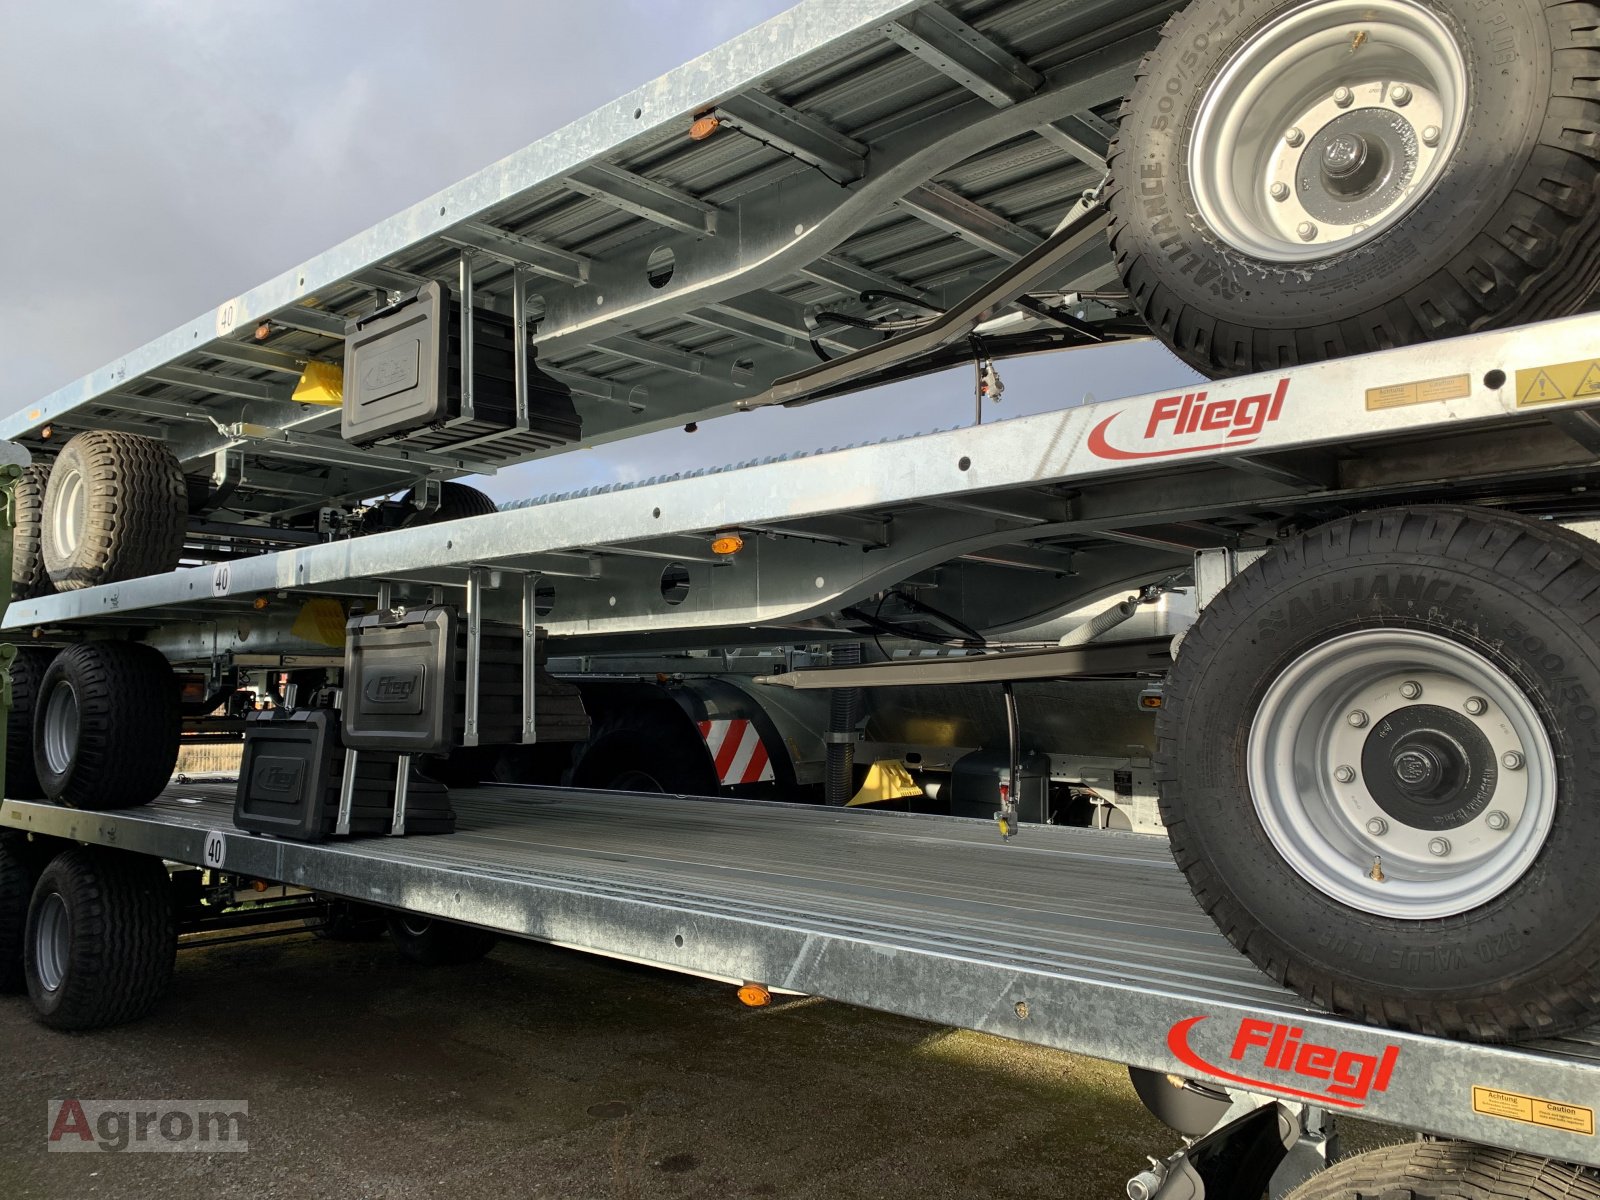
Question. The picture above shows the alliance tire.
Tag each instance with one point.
(1508, 233)
(1447, 1171)
(456, 500)
(118, 943)
(128, 720)
(28, 576)
(430, 942)
(1525, 597)
(27, 674)
(116, 508)
(647, 748)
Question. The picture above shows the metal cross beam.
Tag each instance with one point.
(658, 202)
(219, 385)
(954, 48)
(796, 133)
(954, 213)
(520, 251)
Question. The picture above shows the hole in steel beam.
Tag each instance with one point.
(675, 583)
(659, 266)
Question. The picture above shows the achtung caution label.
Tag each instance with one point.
(1423, 391)
(1559, 381)
(1574, 1118)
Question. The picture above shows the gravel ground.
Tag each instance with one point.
(541, 1072)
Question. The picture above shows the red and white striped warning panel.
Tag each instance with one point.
(736, 747)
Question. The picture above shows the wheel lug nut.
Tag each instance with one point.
(1476, 706)
(1307, 231)
(1357, 719)
(1377, 827)
(1512, 760)
(1343, 96)
(1430, 135)
(1400, 94)
(1411, 689)
(1439, 847)
(1344, 774)
(1497, 820)
(1294, 137)
(1280, 191)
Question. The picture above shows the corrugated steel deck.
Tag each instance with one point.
(1084, 940)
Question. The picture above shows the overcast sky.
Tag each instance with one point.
(163, 155)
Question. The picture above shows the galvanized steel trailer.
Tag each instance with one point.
(1378, 738)
(1082, 940)
(664, 279)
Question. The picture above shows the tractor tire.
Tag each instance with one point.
(101, 940)
(116, 508)
(648, 748)
(17, 870)
(1378, 750)
(430, 942)
(106, 726)
(1447, 1171)
(456, 500)
(27, 674)
(28, 576)
(347, 921)
(1294, 182)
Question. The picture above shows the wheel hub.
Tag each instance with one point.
(1402, 773)
(1326, 127)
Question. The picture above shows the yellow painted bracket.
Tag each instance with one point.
(887, 780)
(320, 383)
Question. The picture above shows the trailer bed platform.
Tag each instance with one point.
(1087, 941)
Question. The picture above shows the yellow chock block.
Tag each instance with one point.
(320, 620)
(887, 780)
(320, 383)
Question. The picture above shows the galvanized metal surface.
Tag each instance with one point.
(897, 146)
(1084, 940)
(1002, 524)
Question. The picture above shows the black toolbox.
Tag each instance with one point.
(402, 378)
(290, 777)
(405, 684)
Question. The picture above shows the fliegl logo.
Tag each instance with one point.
(1188, 424)
(1273, 1057)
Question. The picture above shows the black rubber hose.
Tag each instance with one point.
(844, 705)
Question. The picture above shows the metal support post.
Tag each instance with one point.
(347, 792)
(519, 353)
(467, 411)
(402, 779)
(475, 582)
(530, 663)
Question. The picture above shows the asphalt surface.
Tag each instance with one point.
(545, 1073)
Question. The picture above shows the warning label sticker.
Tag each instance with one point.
(1573, 1118)
(1559, 381)
(1423, 391)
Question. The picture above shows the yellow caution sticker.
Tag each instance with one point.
(1559, 381)
(1492, 1102)
(1423, 391)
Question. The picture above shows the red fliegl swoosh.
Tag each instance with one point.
(1100, 448)
(1178, 1043)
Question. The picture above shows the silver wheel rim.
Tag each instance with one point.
(60, 733)
(1287, 167)
(52, 941)
(69, 514)
(1379, 801)
(416, 926)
